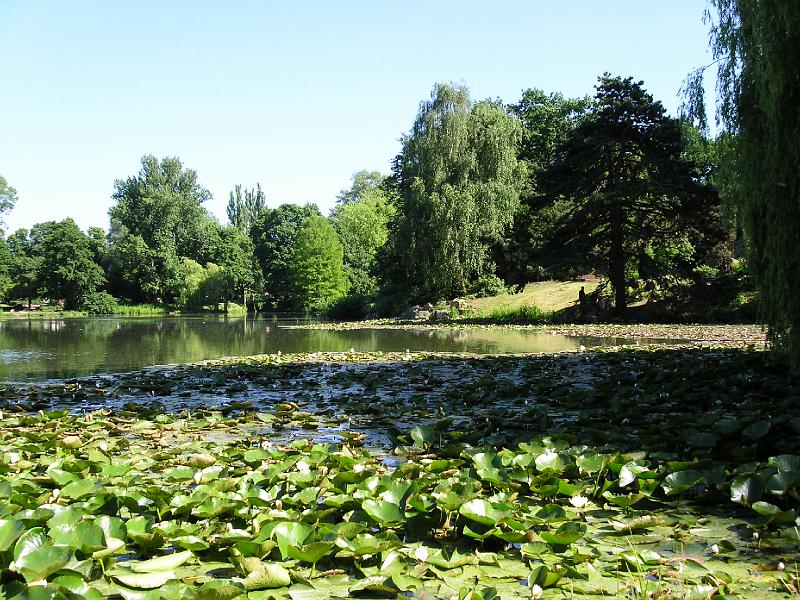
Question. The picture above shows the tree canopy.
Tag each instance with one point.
(755, 46)
(316, 264)
(459, 182)
(626, 184)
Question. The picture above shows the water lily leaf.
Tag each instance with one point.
(591, 463)
(182, 473)
(564, 535)
(10, 530)
(407, 583)
(623, 500)
(422, 436)
(551, 512)
(757, 429)
(551, 461)
(484, 512)
(376, 583)
(290, 534)
(145, 581)
(84, 536)
(681, 481)
(76, 585)
(81, 488)
(699, 439)
(786, 463)
(385, 513)
(267, 577)
(29, 541)
(310, 552)
(42, 562)
(168, 562)
(222, 589)
(746, 490)
(543, 577)
(192, 542)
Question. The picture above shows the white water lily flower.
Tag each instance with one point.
(579, 501)
(421, 554)
(536, 591)
(303, 466)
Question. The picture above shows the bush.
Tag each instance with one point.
(523, 314)
(488, 285)
(99, 303)
(350, 308)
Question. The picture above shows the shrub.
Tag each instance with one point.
(99, 303)
(350, 308)
(487, 285)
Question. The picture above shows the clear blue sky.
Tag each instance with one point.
(295, 95)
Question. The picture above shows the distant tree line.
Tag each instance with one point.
(481, 194)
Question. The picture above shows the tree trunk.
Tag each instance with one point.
(617, 258)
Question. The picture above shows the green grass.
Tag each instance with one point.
(548, 296)
(520, 314)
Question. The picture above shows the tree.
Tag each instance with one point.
(459, 182)
(67, 269)
(5, 269)
(318, 277)
(547, 121)
(158, 217)
(362, 223)
(245, 206)
(364, 182)
(273, 236)
(755, 48)
(23, 266)
(235, 256)
(8, 197)
(625, 184)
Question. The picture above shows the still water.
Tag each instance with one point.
(35, 349)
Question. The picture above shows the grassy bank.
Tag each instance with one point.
(122, 310)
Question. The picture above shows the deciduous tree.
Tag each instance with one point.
(459, 182)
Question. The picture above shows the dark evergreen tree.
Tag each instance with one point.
(624, 185)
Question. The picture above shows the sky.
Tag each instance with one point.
(295, 95)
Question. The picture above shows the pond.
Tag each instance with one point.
(46, 348)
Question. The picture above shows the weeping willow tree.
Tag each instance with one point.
(459, 182)
(755, 45)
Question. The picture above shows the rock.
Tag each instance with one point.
(418, 312)
(440, 315)
(428, 306)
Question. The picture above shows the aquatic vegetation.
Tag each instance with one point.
(657, 473)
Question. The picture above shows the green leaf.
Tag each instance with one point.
(681, 481)
(268, 576)
(290, 534)
(484, 512)
(223, 589)
(145, 581)
(746, 490)
(310, 553)
(41, 562)
(84, 536)
(169, 562)
(564, 535)
(10, 530)
(383, 512)
(81, 488)
(422, 436)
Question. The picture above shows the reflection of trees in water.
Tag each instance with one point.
(68, 347)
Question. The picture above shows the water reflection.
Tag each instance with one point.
(33, 349)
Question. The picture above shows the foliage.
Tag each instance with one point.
(364, 183)
(547, 121)
(487, 285)
(361, 220)
(156, 219)
(519, 314)
(754, 45)
(627, 187)
(234, 254)
(23, 267)
(676, 490)
(65, 267)
(202, 286)
(318, 277)
(99, 303)
(273, 235)
(459, 182)
(244, 207)
(8, 197)
(5, 267)
(352, 307)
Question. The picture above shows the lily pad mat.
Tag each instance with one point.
(660, 472)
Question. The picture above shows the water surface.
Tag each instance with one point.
(45, 348)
